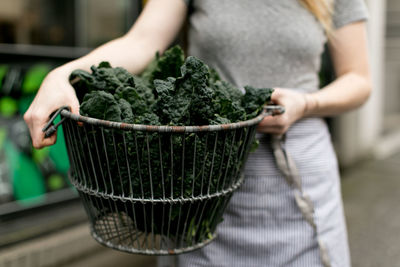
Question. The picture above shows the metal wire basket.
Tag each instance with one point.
(155, 189)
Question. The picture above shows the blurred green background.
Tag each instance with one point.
(26, 173)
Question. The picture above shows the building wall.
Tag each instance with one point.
(392, 67)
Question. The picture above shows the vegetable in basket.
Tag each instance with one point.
(172, 91)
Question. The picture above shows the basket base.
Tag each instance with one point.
(155, 252)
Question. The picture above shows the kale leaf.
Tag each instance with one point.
(101, 105)
(254, 99)
(167, 65)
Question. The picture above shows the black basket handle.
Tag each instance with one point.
(49, 129)
(273, 110)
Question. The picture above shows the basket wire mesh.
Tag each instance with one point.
(156, 189)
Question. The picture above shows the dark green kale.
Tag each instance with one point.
(144, 91)
(185, 100)
(130, 94)
(102, 78)
(101, 105)
(254, 100)
(195, 82)
(171, 91)
(172, 104)
(228, 102)
(126, 111)
(167, 65)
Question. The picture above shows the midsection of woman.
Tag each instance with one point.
(266, 44)
(269, 43)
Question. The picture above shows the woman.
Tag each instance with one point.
(264, 43)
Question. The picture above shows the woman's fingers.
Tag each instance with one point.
(74, 106)
(36, 123)
(276, 121)
(36, 120)
(272, 130)
(295, 106)
(273, 125)
(54, 93)
(39, 141)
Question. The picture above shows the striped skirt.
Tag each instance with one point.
(263, 225)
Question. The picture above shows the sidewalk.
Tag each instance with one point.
(371, 194)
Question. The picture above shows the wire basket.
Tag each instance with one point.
(155, 189)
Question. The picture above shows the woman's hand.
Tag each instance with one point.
(54, 92)
(133, 51)
(296, 106)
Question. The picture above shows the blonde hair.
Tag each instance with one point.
(323, 11)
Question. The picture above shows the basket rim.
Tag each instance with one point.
(165, 128)
(163, 200)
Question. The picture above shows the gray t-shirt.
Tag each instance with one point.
(270, 43)
(264, 43)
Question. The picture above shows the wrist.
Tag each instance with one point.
(311, 104)
(65, 70)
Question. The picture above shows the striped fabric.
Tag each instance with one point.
(264, 227)
(269, 43)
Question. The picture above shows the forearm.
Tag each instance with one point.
(347, 92)
(131, 54)
(154, 30)
(351, 89)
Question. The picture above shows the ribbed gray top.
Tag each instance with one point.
(264, 43)
(269, 43)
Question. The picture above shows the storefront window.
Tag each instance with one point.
(85, 23)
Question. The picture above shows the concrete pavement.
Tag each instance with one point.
(371, 195)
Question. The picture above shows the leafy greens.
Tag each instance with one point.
(145, 165)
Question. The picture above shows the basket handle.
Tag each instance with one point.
(49, 129)
(272, 110)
